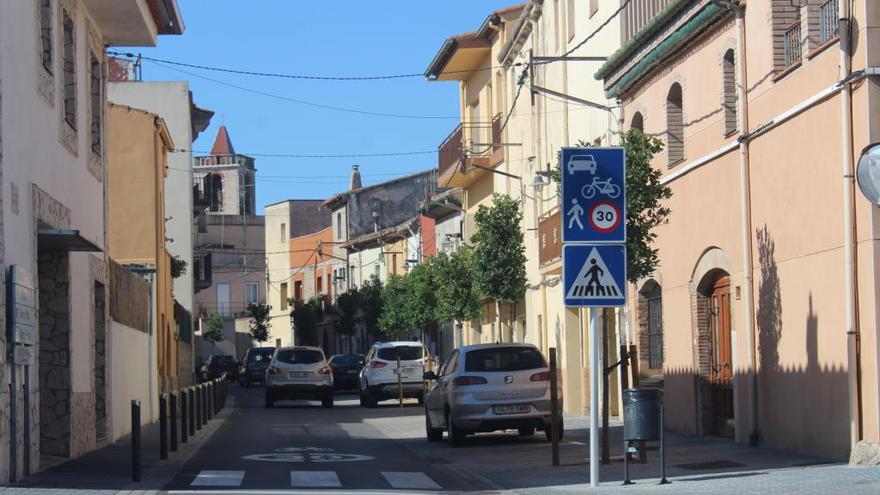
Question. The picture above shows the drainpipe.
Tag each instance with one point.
(849, 261)
(746, 223)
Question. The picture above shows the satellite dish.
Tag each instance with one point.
(868, 173)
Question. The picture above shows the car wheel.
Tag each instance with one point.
(526, 431)
(421, 398)
(433, 434)
(371, 399)
(548, 432)
(270, 401)
(453, 434)
(362, 398)
(327, 401)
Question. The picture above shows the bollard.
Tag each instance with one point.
(135, 440)
(173, 405)
(204, 393)
(163, 426)
(184, 424)
(198, 406)
(210, 401)
(191, 398)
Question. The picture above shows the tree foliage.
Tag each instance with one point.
(259, 324)
(499, 250)
(396, 316)
(178, 266)
(455, 288)
(348, 306)
(306, 315)
(371, 304)
(214, 332)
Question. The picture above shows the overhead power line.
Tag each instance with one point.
(286, 155)
(292, 76)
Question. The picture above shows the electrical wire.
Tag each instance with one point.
(284, 155)
(308, 103)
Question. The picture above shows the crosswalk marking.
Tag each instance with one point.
(314, 479)
(218, 478)
(410, 480)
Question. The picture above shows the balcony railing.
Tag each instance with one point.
(792, 44)
(549, 237)
(828, 13)
(449, 152)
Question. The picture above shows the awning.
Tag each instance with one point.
(64, 240)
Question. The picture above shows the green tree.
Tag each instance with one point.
(348, 306)
(455, 287)
(214, 332)
(422, 298)
(306, 316)
(500, 252)
(396, 316)
(259, 324)
(371, 305)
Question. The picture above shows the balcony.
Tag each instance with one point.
(792, 44)
(135, 22)
(482, 152)
(549, 240)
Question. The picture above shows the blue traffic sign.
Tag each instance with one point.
(594, 195)
(594, 276)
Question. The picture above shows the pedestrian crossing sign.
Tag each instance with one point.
(594, 275)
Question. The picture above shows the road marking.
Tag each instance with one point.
(218, 478)
(314, 479)
(409, 480)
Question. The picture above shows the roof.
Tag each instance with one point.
(222, 143)
(334, 200)
(395, 231)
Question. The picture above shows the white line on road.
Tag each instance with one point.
(413, 481)
(218, 478)
(314, 479)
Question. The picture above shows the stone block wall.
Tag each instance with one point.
(54, 353)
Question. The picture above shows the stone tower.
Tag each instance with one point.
(225, 180)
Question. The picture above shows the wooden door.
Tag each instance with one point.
(721, 374)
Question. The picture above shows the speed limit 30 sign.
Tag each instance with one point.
(605, 216)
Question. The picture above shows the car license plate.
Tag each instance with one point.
(297, 374)
(512, 409)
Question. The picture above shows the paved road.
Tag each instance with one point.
(300, 445)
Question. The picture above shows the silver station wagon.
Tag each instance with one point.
(489, 387)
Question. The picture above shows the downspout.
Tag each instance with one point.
(746, 225)
(849, 260)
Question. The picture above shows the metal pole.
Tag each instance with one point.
(663, 480)
(594, 398)
(626, 480)
(204, 398)
(13, 425)
(184, 422)
(399, 383)
(191, 410)
(163, 426)
(554, 406)
(198, 406)
(135, 440)
(26, 427)
(210, 400)
(173, 397)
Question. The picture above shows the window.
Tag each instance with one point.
(339, 226)
(655, 328)
(223, 306)
(638, 122)
(728, 72)
(319, 286)
(282, 232)
(299, 356)
(828, 13)
(46, 55)
(404, 352)
(283, 296)
(569, 16)
(594, 7)
(95, 100)
(252, 293)
(787, 42)
(214, 191)
(557, 14)
(504, 359)
(69, 70)
(674, 125)
(298, 290)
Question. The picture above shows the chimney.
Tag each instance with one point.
(355, 178)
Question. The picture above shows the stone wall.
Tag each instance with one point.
(82, 423)
(54, 353)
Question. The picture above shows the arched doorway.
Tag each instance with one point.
(720, 355)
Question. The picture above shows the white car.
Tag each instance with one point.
(581, 163)
(379, 378)
(299, 373)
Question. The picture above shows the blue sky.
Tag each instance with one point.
(340, 38)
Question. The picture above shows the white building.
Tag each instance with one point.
(52, 148)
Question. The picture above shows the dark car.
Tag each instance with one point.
(215, 366)
(345, 370)
(254, 364)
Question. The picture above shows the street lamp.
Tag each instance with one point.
(868, 173)
(538, 182)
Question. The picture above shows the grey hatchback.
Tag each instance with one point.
(489, 387)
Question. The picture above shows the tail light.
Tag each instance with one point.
(377, 364)
(470, 380)
(337, 370)
(325, 370)
(543, 376)
(273, 370)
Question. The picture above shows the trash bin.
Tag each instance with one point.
(641, 413)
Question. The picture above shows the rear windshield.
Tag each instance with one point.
(504, 359)
(260, 355)
(222, 360)
(294, 356)
(405, 352)
(347, 360)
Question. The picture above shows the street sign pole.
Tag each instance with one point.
(594, 398)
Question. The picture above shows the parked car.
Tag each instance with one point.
(378, 380)
(489, 387)
(254, 364)
(299, 373)
(346, 368)
(216, 365)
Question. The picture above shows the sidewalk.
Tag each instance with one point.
(108, 470)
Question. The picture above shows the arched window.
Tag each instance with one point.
(728, 73)
(214, 191)
(339, 226)
(651, 325)
(638, 122)
(674, 125)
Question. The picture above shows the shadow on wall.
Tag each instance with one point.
(800, 407)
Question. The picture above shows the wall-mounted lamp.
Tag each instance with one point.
(538, 182)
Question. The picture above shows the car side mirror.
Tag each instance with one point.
(429, 375)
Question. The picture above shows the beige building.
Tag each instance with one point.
(762, 318)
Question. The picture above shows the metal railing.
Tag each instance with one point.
(449, 152)
(792, 44)
(828, 13)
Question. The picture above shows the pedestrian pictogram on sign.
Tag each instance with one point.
(594, 275)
